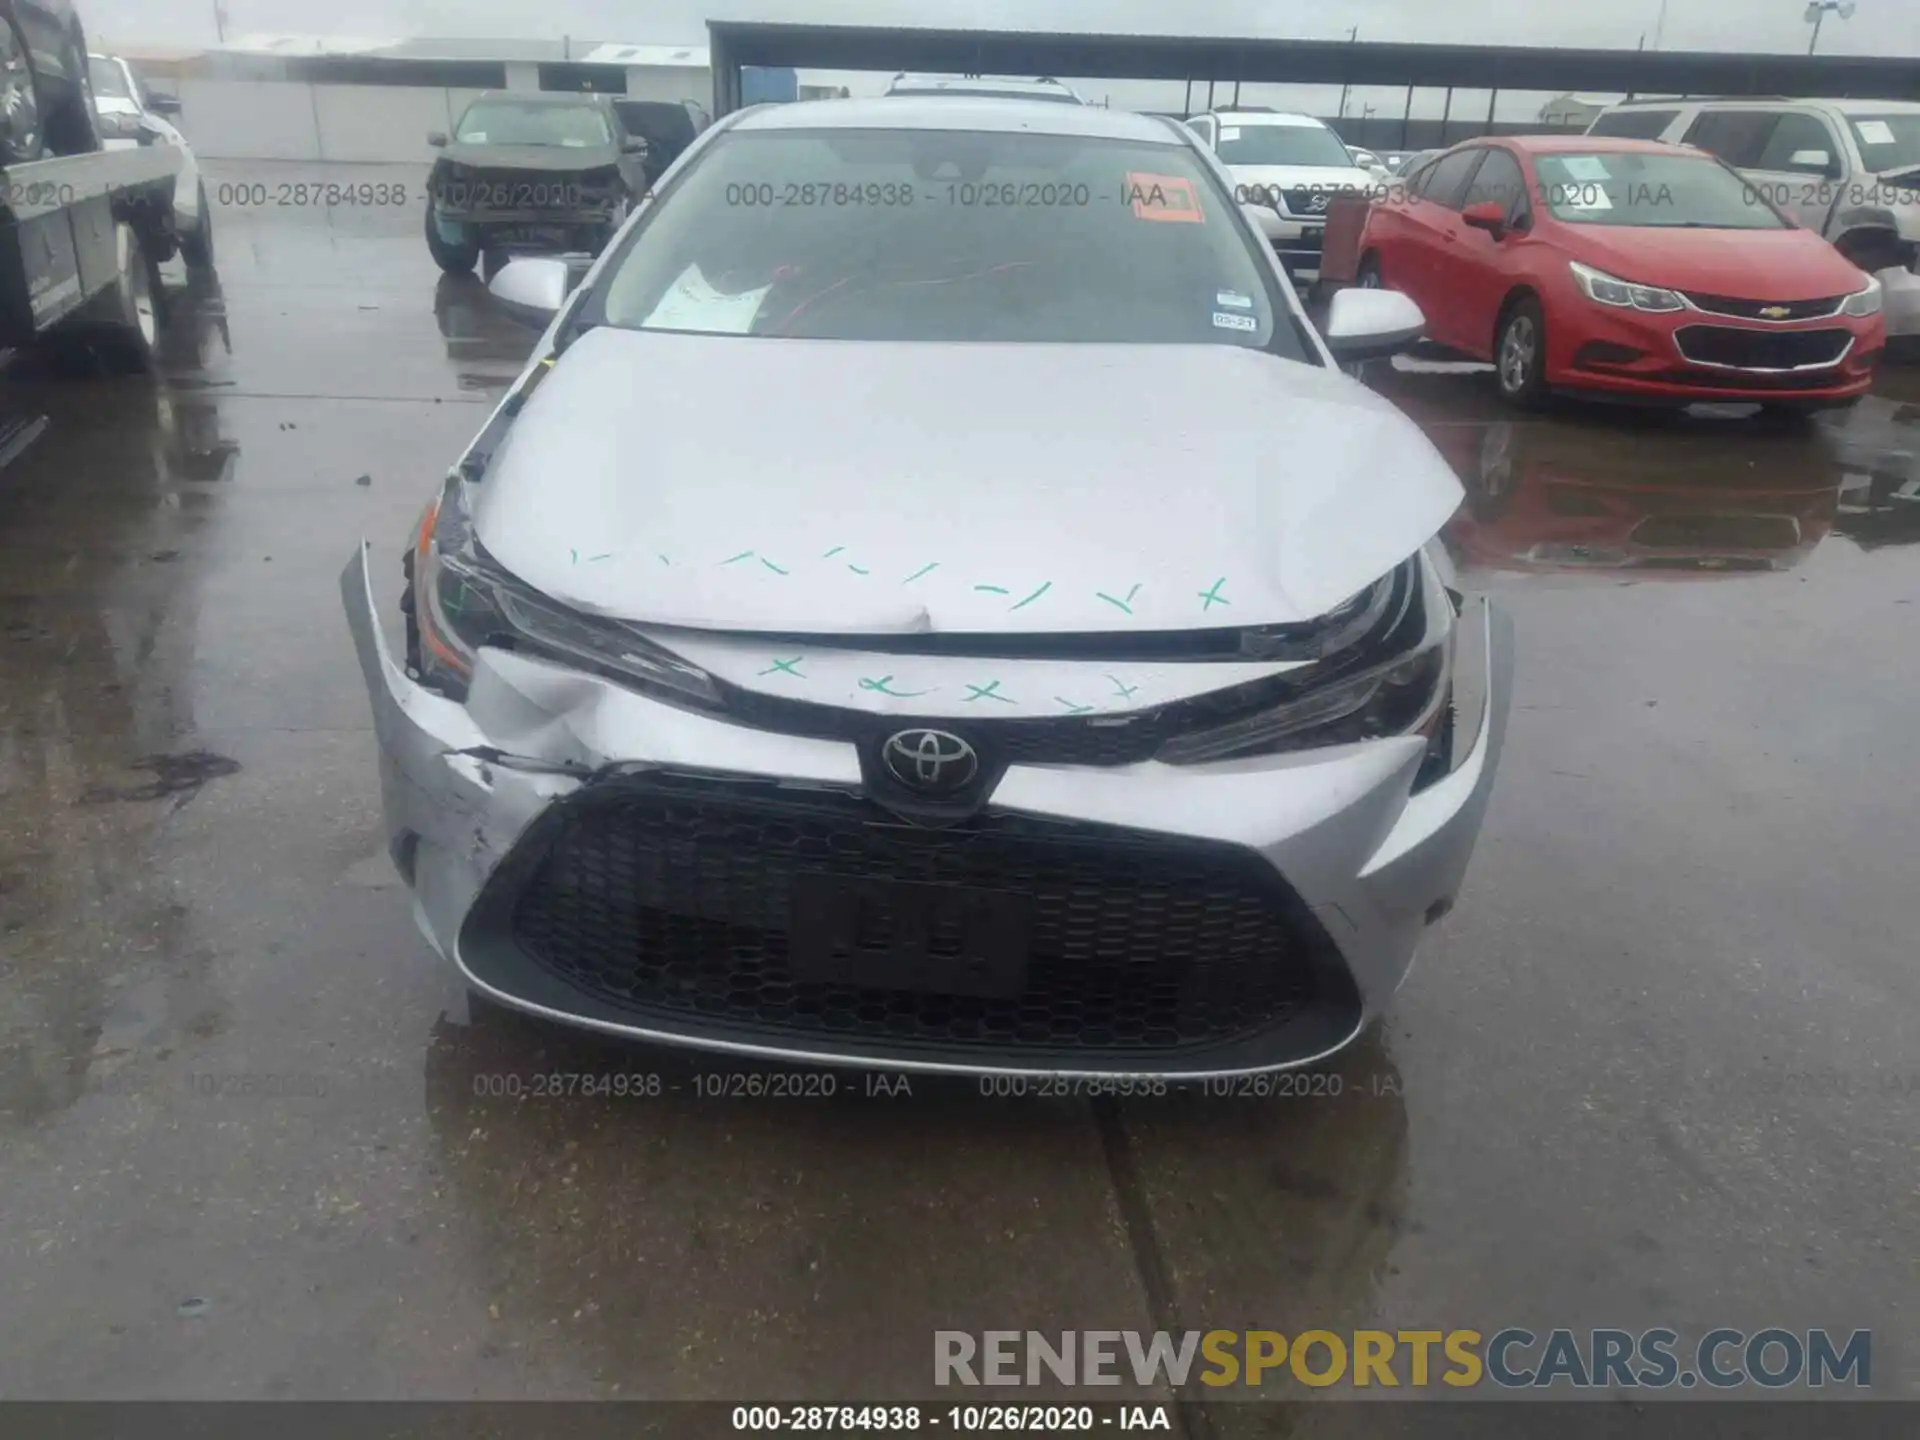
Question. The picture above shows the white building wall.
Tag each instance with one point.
(670, 82)
(280, 120)
(249, 120)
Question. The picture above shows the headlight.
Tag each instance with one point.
(1404, 689)
(1863, 303)
(463, 600)
(1605, 289)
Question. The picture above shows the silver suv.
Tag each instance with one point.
(1845, 169)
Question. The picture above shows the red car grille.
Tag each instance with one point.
(1761, 349)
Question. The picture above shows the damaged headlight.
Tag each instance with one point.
(1395, 677)
(460, 599)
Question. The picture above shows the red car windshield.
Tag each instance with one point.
(1656, 191)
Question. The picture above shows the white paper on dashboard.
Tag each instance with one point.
(691, 303)
(1875, 132)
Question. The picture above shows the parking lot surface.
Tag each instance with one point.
(1659, 1068)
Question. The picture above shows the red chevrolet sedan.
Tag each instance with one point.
(1624, 267)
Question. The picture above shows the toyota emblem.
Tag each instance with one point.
(931, 761)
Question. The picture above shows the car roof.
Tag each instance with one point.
(1774, 102)
(972, 82)
(962, 112)
(1586, 145)
(1270, 117)
(545, 97)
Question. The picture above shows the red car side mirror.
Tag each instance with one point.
(1488, 215)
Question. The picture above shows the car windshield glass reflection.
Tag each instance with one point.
(109, 80)
(1280, 145)
(507, 123)
(1887, 142)
(949, 236)
(1656, 191)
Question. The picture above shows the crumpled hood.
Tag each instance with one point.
(842, 487)
(561, 159)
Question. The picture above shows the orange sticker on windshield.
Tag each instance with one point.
(1163, 197)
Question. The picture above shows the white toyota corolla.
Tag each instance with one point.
(933, 601)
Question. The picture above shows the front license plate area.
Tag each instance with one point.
(533, 235)
(899, 935)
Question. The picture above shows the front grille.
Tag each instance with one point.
(1053, 740)
(1761, 349)
(1302, 200)
(672, 897)
(1758, 381)
(1706, 532)
(1766, 309)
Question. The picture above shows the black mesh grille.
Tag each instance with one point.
(1758, 381)
(1761, 349)
(1769, 309)
(1306, 203)
(674, 897)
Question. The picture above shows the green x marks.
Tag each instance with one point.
(1213, 597)
(786, 667)
(989, 691)
(884, 686)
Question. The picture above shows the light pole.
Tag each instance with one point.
(1660, 25)
(1353, 35)
(1817, 11)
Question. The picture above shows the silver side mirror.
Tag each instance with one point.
(1370, 324)
(533, 289)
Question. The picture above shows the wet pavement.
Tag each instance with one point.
(1658, 1068)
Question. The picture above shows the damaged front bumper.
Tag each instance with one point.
(477, 793)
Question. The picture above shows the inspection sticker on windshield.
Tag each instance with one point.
(1234, 322)
(1584, 167)
(1233, 300)
(1163, 197)
(1230, 133)
(1875, 132)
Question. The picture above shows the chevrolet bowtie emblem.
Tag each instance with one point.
(1775, 312)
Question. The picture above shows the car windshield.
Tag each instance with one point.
(1654, 191)
(948, 235)
(108, 79)
(1887, 142)
(514, 122)
(1280, 145)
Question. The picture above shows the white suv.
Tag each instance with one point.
(1845, 169)
(1286, 170)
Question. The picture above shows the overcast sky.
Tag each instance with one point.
(1880, 26)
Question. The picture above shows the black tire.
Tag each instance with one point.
(454, 259)
(118, 331)
(23, 137)
(1520, 354)
(491, 263)
(196, 246)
